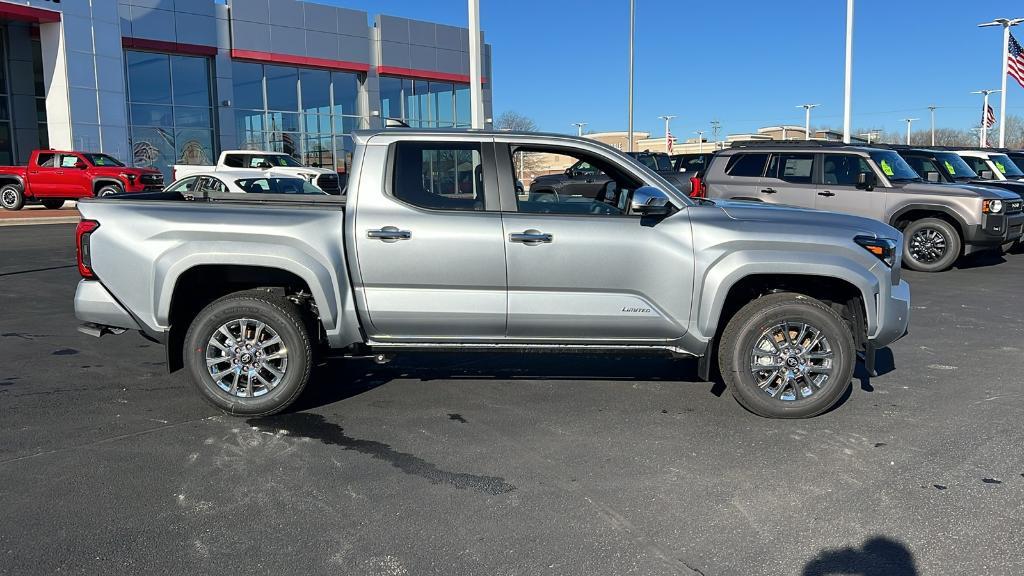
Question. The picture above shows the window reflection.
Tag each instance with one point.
(426, 104)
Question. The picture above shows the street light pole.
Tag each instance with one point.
(476, 100)
(700, 141)
(870, 135)
(807, 119)
(579, 127)
(667, 118)
(909, 121)
(931, 109)
(849, 71)
(1006, 23)
(983, 132)
(715, 127)
(632, 26)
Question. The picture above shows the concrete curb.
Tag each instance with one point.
(47, 220)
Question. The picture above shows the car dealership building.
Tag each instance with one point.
(162, 82)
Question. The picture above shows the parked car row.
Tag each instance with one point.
(943, 207)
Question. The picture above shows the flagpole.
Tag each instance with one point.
(1006, 23)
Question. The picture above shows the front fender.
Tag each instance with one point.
(720, 277)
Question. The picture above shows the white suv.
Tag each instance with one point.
(991, 165)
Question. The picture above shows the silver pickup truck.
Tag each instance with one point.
(433, 250)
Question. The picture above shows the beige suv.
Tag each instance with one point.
(940, 222)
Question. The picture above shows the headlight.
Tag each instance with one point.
(128, 177)
(992, 206)
(883, 248)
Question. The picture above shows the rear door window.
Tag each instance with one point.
(749, 165)
(439, 175)
(795, 168)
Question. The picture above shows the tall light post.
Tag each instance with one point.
(983, 132)
(579, 127)
(700, 141)
(667, 118)
(1006, 23)
(870, 135)
(807, 119)
(476, 100)
(632, 27)
(909, 121)
(931, 110)
(715, 127)
(849, 71)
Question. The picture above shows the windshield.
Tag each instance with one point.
(1005, 165)
(656, 162)
(259, 160)
(277, 186)
(955, 165)
(103, 160)
(893, 166)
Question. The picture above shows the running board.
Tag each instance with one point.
(517, 347)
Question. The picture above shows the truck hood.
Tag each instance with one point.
(958, 189)
(124, 170)
(795, 216)
(1009, 185)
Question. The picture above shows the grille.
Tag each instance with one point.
(328, 183)
(152, 179)
(1014, 206)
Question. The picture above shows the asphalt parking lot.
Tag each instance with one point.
(479, 464)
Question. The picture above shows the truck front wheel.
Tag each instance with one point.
(249, 353)
(787, 355)
(11, 197)
(108, 190)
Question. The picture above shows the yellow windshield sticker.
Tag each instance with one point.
(949, 167)
(1002, 168)
(886, 168)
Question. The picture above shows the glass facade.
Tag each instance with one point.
(170, 111)
(306, 113)
(425, 104)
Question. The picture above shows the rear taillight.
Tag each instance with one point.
(83, 234)
(696, 187)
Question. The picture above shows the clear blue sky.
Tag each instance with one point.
(746, 62)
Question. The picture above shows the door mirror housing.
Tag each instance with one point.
(649, 201)
(80, 165)
(932, 176)
(867, 180)
(986, 175)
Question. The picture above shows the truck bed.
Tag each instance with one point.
(325, 201)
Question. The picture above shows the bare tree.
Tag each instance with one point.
(516, 122)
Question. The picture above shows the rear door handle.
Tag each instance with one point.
(826, 193)
(389, 233)
(531, 237)
(768, 190)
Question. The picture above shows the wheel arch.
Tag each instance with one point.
(6, 179)
(101, 181)
(907, 214)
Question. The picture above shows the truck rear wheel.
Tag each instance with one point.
(930, 245)
(249, 353)
(11, 197)
(787, 355)
(52, 203)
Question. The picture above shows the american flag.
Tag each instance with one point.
(1015, 61)
(990, 118)
(670, 141)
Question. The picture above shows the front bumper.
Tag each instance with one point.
(995, 229)
(893, 315)
(95, 305)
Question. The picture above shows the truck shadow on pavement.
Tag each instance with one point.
(336, 380)
(879, 556)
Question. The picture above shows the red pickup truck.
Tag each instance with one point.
(53, 176)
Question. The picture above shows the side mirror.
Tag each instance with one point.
(649, 201)
(80, 165)
(264, 166)
(867, 180)
(931, 176)
(986, 175)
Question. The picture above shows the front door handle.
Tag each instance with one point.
(826, 193)
(389, 234)
(768, 191)
(531, 237)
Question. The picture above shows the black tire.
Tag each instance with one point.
(52, 203)
(12, 197)
(108, 189)
(924, 236)
(1009, 247)
(746, 329)
(280, 316)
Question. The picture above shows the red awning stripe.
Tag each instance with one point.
(24, 13)
(171, 47)
(425, 74)
(258, 56)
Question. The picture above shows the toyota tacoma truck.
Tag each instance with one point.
(432, 250)
(263, 162)
(53, 176)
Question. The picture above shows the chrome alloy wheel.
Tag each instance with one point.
(927, 245)
(246, 358)
(791, 361)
